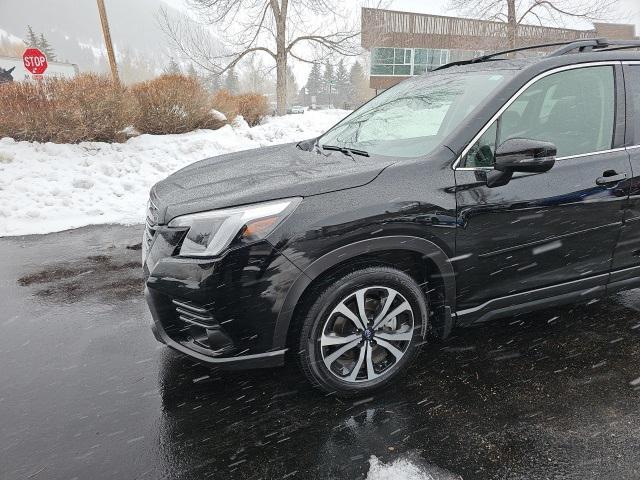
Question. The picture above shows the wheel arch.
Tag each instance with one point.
(430, 252)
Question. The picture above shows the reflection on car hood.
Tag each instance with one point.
(258, 175)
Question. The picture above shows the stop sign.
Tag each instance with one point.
(35, 61)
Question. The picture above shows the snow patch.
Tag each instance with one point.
(47, 187)
(218, 115)
(10, 37)
(97, 52)
(130, 131)
(406, 469)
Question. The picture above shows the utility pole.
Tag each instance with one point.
(107, 40)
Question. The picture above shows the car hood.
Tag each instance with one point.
(257, 175)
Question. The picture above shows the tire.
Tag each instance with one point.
(338, 354)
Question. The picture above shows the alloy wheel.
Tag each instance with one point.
(367, 334)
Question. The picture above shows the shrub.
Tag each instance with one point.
(19, 103)
(105, 109)
(92, 108)
(86, 108)
(253, 107)
(227, 103)
(173, 104)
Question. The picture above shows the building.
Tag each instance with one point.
(12, 69)
(404, 44)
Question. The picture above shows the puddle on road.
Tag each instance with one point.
(111, 278)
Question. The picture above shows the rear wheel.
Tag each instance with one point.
(363, 330)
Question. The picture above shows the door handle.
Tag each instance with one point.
(610, 176)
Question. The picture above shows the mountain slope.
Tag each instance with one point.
(73, 28)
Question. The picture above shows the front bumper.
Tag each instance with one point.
(220, 311)
(274, 358)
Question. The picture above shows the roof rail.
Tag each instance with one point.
(586, 45)
(592, 44)
(621, 47)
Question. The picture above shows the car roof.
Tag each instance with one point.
(501, 63)
(576, 50)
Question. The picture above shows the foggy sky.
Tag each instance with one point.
(70, 22)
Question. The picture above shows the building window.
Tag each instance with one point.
(414, 61)
(391, 61)
(426, 59)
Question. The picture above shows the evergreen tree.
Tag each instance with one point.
(302, 97)
(32, 39)
(134, 69)
(328, 81)
(359, 91)
(212, 82)
(342, 85)
(191, 71)
(254, 74)
(231, 81)
(46, 48)
(314, 82)
(172, 68)
(292, 86)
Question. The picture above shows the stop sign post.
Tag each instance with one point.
(35, 61)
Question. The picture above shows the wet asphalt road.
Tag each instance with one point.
(86, 392)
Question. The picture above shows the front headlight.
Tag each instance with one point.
(211, 232)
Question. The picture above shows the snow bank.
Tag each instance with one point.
(47, 187)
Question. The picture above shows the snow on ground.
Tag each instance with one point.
(47, 187)
(406, 469)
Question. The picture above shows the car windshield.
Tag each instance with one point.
(412, 118)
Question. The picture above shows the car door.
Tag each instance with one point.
(625, 268)
(542, 230)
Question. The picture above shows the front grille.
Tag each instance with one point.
(149, 233)
(151, 223)
(152, 213)
(147, 241)
(194, 315)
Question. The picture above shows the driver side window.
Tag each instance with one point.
(573, 109)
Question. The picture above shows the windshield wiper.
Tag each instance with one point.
(347, 151)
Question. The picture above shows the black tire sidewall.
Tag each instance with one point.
(329, 295)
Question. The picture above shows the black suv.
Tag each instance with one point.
(483, 189)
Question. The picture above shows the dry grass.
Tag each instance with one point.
(85, 108)
(173, 104)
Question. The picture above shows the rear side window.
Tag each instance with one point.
(573, 109)
(633, 93)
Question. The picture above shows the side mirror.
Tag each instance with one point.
(521, 155)
(525, 155)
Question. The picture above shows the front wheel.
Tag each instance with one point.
(363, 330)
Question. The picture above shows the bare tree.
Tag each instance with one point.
(281, 29)
(519, 12)
(255, 74)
